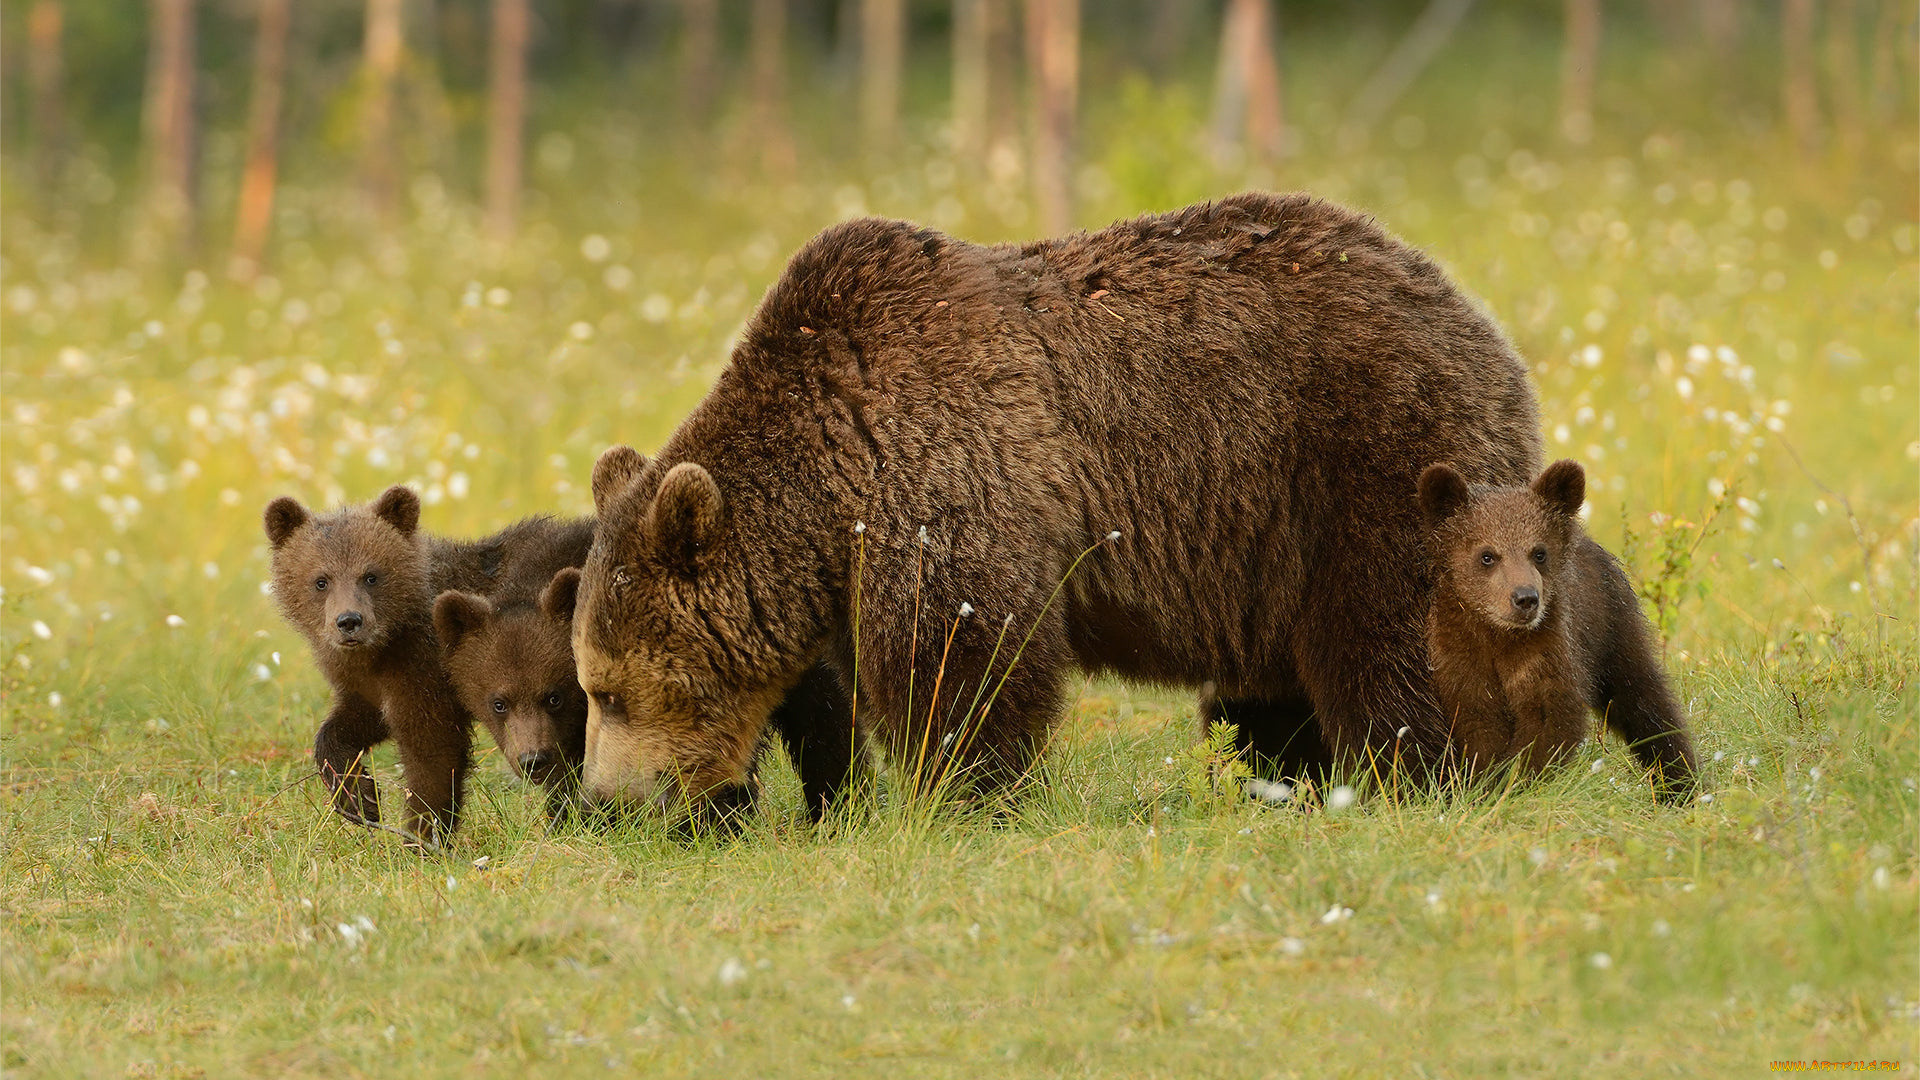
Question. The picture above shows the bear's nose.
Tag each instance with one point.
(348, 622)
(1526, 598)
(535, 762)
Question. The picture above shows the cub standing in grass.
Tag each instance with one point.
(1201, 422)
(1533, 624)
(359, 583)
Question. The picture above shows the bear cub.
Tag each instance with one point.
(510, 657)
(359, 583)
(1533, 624)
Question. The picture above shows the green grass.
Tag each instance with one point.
(172, 890)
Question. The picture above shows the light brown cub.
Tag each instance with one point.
(1533, 624)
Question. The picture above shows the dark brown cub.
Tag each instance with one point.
(510, 656)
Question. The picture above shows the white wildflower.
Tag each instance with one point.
(1340, 798)
(732, 972)
(42, 630)
(1335, 914)
(176, 621)
(1269, 791)
(966, 609)
(1600, 960)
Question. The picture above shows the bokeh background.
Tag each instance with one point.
(316, 247)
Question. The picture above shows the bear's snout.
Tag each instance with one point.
(348, 623)
(535, 764)
(1526, 601)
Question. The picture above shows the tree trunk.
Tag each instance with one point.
(1579, 61)
(1719, 23)
(44, 29)
(380, 70)
(1892, 26)
(1799, 95)
(971, 38)
(1843, 74)
(1246, 96)
(882, 39)
(768, 46)
(1409, 58)
(259, 174)
(699, 44)
(169, 118)
(1171, 32)
(506, 115)
(1053, 57)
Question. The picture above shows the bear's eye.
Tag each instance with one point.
(1488, 558)
(320, 584)
(371, 579)
(553, 700)
(1539, 556)
(611, 706)
(500, 705)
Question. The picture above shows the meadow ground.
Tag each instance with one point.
(1722, 330)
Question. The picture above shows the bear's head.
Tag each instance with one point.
(512, 665)
(350, 580)
(680, 660)
(1500, 550)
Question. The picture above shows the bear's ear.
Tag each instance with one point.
(1562, 487)
(283, 516)
(399, 507)
(457, 614)
(557, 599)
(1443, 491)
(686, 516)
(615, 471)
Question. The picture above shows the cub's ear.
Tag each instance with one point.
(1562, 487)
(399, 507)
(616, 470)
(557, 599)
(283, 516)
(686, 516)
(1443, 491)
(456, 615)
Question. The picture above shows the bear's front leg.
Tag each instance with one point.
(815, 723)
(352, 729)
(436, 746)
(1549, 724)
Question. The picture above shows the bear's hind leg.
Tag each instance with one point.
(1279, 738)
(1631, 690)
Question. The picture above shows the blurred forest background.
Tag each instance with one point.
(198, 130)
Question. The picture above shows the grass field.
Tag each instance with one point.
(1723, 331)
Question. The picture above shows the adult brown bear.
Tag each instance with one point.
(918, 437)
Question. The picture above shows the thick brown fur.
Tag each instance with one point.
(359, 584)
(1242, 390)
(509, 654)
(1533, 624)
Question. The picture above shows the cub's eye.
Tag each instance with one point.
(500, 705)
(553, 700)
(371, 579)
(1540, 556)
(320, 584)
(1488, 558)
(611, 706)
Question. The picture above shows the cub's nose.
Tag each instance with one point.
(348, 622)
(535, 763)
(1526, 599)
